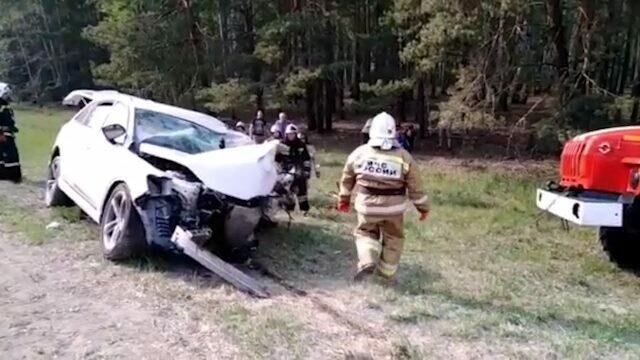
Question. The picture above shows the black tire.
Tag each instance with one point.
(121, 229)
(53, 195)
(622, 245)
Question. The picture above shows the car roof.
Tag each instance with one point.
(77, 96)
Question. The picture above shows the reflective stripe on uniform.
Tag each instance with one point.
(423, 200)
(302, 198)
(381, 210)
(15, 164)
(368, 244)
(387, 270)
(8, 134)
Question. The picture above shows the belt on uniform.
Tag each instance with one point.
(382, 192)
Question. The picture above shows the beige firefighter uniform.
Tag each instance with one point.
(382, 181)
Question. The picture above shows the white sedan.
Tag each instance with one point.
(141, 169)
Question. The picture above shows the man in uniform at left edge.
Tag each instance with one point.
(9, 159)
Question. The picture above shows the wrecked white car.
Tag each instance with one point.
(149, 172)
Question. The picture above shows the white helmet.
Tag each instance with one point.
(274, 129)
(5, 91)
(383, 131)
(240, 124)
(291, 129)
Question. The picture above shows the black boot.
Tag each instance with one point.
(366, 272)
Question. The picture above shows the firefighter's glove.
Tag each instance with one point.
(343, 206)
(424, 214)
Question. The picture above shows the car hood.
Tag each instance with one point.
(243, 172)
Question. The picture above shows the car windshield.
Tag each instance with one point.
(175, 133)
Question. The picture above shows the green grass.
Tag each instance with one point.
(38, 128)
(269, 333)
(487, 266)
(487, 270)
(21, 208)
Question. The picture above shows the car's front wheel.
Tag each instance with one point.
(53, 195)
(121, 228)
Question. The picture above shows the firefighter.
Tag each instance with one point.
(241, 127)
(312, 153)
(298, 158)
(275, 133)
(382, 175)
(10, 161)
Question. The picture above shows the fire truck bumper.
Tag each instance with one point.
(581, 210)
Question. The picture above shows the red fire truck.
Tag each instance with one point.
(599, 187)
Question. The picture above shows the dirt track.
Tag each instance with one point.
(57, 304)
(62, 300)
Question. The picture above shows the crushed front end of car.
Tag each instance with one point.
(223, 224)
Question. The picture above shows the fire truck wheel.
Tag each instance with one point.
(621, 244)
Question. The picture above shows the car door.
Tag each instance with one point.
(76, 157)
(102, 159)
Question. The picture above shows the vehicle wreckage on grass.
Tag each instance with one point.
(157, 175)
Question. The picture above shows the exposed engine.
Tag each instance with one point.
(226, 225)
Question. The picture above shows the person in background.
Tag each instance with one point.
(410, 133)
(298, 157)
(312, 153)
(10, 168)
(282, 123)
(401, 137)
(258, 128)
(275, 133)
(241, 127)
(365, 131)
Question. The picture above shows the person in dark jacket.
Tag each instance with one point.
(10, 168)
(258, 128)
(299, 159)
(401, 138)
(410, 134)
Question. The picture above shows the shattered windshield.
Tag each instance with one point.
(175, 133)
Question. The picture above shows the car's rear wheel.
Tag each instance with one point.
(622, 246)
(53, 195)
(121, 229)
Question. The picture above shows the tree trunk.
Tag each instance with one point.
(312, 124)
(357, 56)
(624, 72)
(319, 105)
(195, 38)
(443, 79)
(420, 106)
(328, 84)
(554, 12)
(366, 46)
(434, 85)
(402, 107)
(223, 30)
(329, 106)
(635, 93)
(341, 110)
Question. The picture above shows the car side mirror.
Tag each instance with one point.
(112, 132)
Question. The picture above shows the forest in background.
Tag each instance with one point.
(552, 67)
